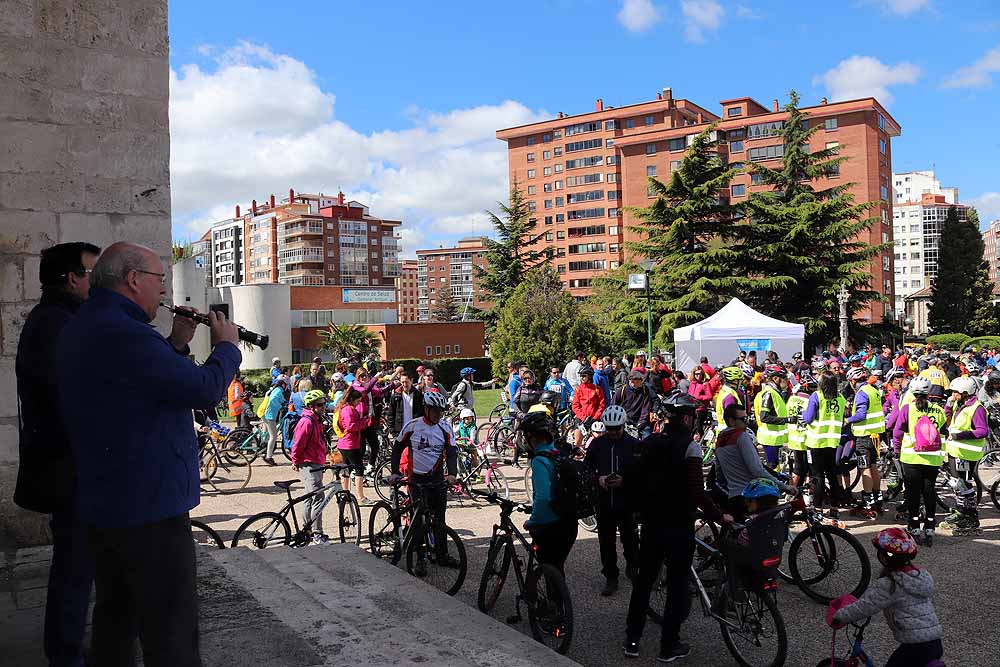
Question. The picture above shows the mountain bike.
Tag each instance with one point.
(736, 588)
(541, 587)
(270, 529)
(224, 471)
(405, 526)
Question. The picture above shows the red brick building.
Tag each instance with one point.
(580, 173)
(406, 290)
(452, 269)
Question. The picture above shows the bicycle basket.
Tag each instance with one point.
(754, 551)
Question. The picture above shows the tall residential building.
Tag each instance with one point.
(582, 173)
(991, 252)
(911, 186)
(452, 269)
(407, 290)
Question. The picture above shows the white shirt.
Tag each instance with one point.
(427, 443)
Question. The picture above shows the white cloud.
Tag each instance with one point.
(905, 7)
(638, 15)
(700, 16)
(259, 123)
(977, 75)
(864, 76)
(988, 207)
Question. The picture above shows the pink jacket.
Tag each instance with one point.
(351, 423)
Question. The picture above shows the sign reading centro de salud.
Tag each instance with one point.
(368, 295)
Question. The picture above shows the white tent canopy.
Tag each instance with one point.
(736, 326)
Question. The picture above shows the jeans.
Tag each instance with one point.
(609, 522)
(916, 655)
(145, 578)
(71, 578)
(919, 486)
(553, 542)
(312, 481)
(675, 546)
(272, 436)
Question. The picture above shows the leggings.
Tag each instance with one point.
(824, 469)
(920, 487)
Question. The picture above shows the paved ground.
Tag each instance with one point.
(967, 600)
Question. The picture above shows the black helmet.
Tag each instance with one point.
(550, 398)
(537, 423)
(679, 402)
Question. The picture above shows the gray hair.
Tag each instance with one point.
(116, 262)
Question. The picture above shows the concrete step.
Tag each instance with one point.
(351, 608)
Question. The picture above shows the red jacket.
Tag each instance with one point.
(588, 401)
(310, 442)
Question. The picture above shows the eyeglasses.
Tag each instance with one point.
(161, 276)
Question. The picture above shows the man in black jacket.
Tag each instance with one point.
(405, 404)
(46, 477)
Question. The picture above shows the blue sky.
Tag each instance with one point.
(397, 106)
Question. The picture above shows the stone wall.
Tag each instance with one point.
(84, 156)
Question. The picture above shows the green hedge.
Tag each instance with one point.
(984, 341)
(949, 341)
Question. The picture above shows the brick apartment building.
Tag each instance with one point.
(450, 268)
(580, 173)
(406, 290)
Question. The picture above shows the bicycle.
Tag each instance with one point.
(743, 590)
(205, 536)
(226, 472)
(391, 535)
(270, 529)
(540, 586)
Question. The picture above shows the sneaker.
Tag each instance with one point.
(610, 586)
(676, 652)
(631, 649)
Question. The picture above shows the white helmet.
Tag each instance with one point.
(919, 386)
(434, 399)
(614, 416)
(597, 428)
(466, 412)
(964, 385)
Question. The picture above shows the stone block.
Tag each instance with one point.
(109, 195)
(26, 146)
(150, 199)
(14, 315)
(90, 227)
(137, 75)
(53, 67)
(29, 275)
(75, 108)
(11, 280)
(18, 18)
(56, 19)
(40, 192)
(25, 232)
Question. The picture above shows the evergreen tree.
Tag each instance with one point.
(807, 240)
(447, 306)
(688, 232)
(511, 254)
(962, 292)
(541, 324)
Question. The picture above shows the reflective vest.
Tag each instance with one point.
(907, 454)
(235, 397)
(874, 422)
(971, 449)
(825, 430)
(796, 434)
(771, 435)
(724, 390)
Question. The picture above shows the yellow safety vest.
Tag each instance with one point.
(771, 435)
(796, 434)
(724, 391)
(874, 422)
(907, 453)
(968, 450)
(825, 430)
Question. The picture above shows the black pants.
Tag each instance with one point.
(369, 441)
(611, 521)
(919, 487)
(71, 578)
(675, 546)
(553, 542)
(910, 655)
(824, 470)
(145, 578)
(435, 495)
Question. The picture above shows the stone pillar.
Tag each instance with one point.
(84, 156)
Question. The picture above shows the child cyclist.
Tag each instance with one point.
(903, 592)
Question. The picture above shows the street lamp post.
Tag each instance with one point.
(647, 266)
(842, 296)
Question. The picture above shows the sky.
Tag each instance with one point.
(397, 103)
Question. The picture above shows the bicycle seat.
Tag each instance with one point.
(286, 484)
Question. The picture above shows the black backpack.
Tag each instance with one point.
(574, 493)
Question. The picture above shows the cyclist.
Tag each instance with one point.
(664, 485)
(552, 534)
(432, 449)
(867, 426)
(309, 456)
(462, 395)
(920, 464)
(588, 403)
(728, 392)
(607, 456)
(558, 384)
(904, 594)
(824, 419)
(796, 433)
(637, 400)
(966, 441)
(772, 414)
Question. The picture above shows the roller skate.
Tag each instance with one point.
(963, 525)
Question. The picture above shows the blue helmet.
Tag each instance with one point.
(467, 371)
(761, 487)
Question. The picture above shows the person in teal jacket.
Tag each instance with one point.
(553, 535)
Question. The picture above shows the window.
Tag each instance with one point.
(676, 144)
(531, 157)
(767, 153)
(736, 147)
(546, 155)
(429, 350)
(587, 145)
(531, 141)
(546, 171)
(610, 125)
(830, 124)
(582, 128)
(531, 173)
(532, 189)
(629, 123)
(582, 162)
(764, 130)
(651, 149)
(881, 146)
(739, 190)
(734, 111)
(612, 178)
(651, 170)
(612, 160)
(881, 122)
(675, 165)
(547, 187)
(649, 120)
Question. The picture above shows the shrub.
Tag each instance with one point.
(949, 341)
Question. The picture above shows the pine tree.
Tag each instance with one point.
(962, 292)
(447, 306)
(541, 324)
(807, 237)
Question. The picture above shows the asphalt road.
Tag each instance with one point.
(967, 590)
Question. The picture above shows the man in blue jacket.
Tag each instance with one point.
(137, 454)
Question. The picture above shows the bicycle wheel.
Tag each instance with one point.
(348, 518)
(491, 480)
(382, 489)
(383, 532)
(833, 562)
(494, 575)
(267, 529)
(232, 473)
(753, 629)
(424, 559)
(589, 523)
(550, 610)
(204, 536)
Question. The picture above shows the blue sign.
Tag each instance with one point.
(754, 344)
